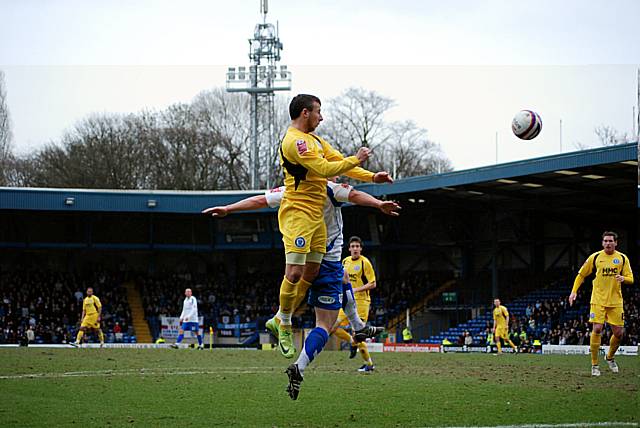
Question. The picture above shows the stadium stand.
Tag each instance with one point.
(50, 303)
(220, 298)
(495, 230)
(545, 315)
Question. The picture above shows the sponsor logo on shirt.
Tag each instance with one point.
(301, 145)
(299, 242)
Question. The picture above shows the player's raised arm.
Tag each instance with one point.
(307, 155)
(253, 203)
(366, 200)
(356, 173)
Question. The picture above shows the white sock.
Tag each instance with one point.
(278, 315)
(302, 361)
(351, 311)
(285, 319)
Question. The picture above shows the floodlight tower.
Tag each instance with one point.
(261, 81)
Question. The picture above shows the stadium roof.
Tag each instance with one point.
(576, 171)
(589, 173)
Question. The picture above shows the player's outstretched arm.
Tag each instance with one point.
(253, 203)
(366, 200)
(357, 173)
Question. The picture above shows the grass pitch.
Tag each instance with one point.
(180, 388)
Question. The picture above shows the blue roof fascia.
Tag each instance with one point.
(580, 159)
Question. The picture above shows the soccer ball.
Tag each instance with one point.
(526, 124)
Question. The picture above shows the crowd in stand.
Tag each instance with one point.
(46, 306)
(254, 297)
(550, 322)
(50, 303)
(393, 296)
(220, 298)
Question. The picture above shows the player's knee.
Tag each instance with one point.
(310, 271)
(293, 276)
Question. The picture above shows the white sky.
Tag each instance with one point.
(461, 69)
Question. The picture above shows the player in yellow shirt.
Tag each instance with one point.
(612, 269)
(307, 161)
(500, 328)
(363, 279)
(91, 315)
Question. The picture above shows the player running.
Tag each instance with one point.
(189, 319)
(612, 269)
(500, 328)
(363, 278)
(91, 316)
(307, 161)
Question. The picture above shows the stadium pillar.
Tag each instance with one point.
(494, 258)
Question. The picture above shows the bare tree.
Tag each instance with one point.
(6, 137)
(356, 119)
(609, 136)
(205, 145)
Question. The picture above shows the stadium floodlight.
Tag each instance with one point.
(632, 163)
(532, 185)
(152, 203)
(594, 176)
(69, 201)
(506, 181)
(261, 81)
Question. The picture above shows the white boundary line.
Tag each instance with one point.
(568, 425)
(182, 371)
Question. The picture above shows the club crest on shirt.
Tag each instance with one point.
(299, 241)
(356, 268)
(301, 145)
(592, 315)
(616, 261)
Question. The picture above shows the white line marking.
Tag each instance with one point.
(572, 425)
(146, 372)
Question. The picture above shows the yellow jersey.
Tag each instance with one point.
(360, 272)
(91, 305)
(606, 290)
(501, 316)
(307, 161)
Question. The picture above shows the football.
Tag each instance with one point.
(526, 124)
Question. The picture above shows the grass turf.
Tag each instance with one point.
(162, 387)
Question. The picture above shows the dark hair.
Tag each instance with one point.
(610, 233)
(355, 239)
(301, 102)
